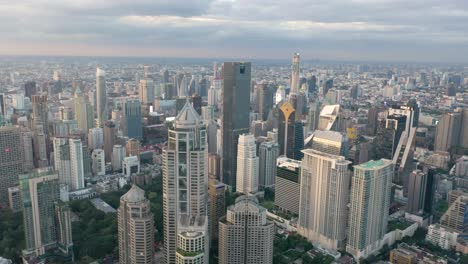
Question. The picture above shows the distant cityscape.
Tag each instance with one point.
(193, 161)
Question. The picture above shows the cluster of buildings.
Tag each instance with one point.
(341, 147)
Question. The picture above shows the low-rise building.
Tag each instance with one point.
(443, 237)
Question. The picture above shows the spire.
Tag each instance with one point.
(134, 195)
(188, 117)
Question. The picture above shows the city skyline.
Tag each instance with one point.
(388, 30)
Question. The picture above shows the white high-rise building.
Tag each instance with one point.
(76, 162)
(95, 138)
(185, 180)
(118, 154)
(247, 165)
(146, 91)
(99, 162)
(245, 234)
(324, 195)
(62, 162)
(101, 97)
(269, 152)
(295, 74)
(370, 201)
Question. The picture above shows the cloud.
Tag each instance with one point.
(355, 29)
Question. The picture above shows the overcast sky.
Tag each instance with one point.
(401, 30)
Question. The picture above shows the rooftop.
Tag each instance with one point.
(374, 164)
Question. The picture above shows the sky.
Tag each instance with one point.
(365, 30)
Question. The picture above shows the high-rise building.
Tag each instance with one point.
(456, 216)
(40, 112)
(40, 143)
(290, 132)
(136, 228)
(30, 89)
(417, 182)
(185, 180)
(288, 185)
(265, 100)
(118, 154)
(330, 142)
(133, 148)
(214, 166)
(11, 160)
(99, 162)
(68, 162)
(76, 162)
(46, 221)
(133, 126)
(95, 138)
(84, 113)
(295, 70)
(370, 201)
(234, 115)
(448, 132)
(268, 152)
(313, 116)
(216, 195)
(27, 148)
(109, 139)
(101, 97)
(146, 91)
(247, 165)
(324, 196)
(245, 234)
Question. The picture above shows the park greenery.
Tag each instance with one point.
(11, 235)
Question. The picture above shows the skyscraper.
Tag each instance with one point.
(234, 114)
(265, 100)
(84, 113)
(118, 154)
(109, 139)
(68, 162)
(324, 195)
(133, 126)
(146, 91)
(101, 97)
(245, 234)
(290, 132)
(46, 221)
(133, 148)
(247, 165)
(417, 182)
(185, 180)
(136, 228)
(11, 160)
(40, 112)
(330, 142)
(216, 195)
(95, 138)
(368, 213)
(448, 132)
(77, 170)
(268, 152)
(295, 70)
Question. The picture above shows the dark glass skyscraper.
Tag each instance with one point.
(133, 125)
(235, 114)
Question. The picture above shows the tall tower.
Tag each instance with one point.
(185, 181)
(235, 116)
(133, 126)
(269, 151)
(247, 165)
(77, 170)
(146, 91)
(324, 195)
(217, 207)
(136, 228)
(101, 97)
(448, 131)
(68, 161)
(11, 160)
(417, 186)
(265, 100)
(290, 132)
(46, 221)
(245, 234)
(40, 112)
(370, 200)
(133, 148)
(84, 113)
(295, 69)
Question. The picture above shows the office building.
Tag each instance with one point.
(68, 162)
(370, 201)
(247, 165)
(30, 89)
(288, 185)
(234, 115)
(417, 186)
(268, 152)
(101, 97)
(146, 91)
(456, 216)
(133, 125)
(95, 138)
(84, 113)
(324, 196)
(98, 162)
(330, 142)
(14, 199)
(192, 240)
(185, 178)
(265, 100)
(47, 223)
(329, 118)
(448, 132)
(136, 228)
(27, 148)
(290, 132)
(118, 154)
(40, 113)
(214, 166)
(133, 147)
(11, 160)
(245, 234)
(216, 194)
(77, 168)
(313, 116)
(109, 139)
